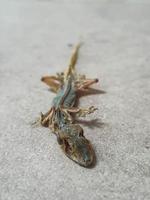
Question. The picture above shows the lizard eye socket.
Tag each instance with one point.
(80, 134)
(68, 146)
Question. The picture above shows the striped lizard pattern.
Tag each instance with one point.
(62, 114)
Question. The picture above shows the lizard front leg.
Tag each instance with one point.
(81, 112)
(66, 114)
(46, 119)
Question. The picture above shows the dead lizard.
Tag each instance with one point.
(60, 118)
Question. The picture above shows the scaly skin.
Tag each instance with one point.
(60, 118)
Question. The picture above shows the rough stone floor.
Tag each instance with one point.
(35, 38)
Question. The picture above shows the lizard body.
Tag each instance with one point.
(60, 118)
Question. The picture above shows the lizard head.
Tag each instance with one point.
(78, 149)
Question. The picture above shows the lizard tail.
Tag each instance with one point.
(73, 60)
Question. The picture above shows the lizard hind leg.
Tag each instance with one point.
(53, 82)
(86, 84)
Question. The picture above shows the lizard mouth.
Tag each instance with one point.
(85, 155)
(79, 150)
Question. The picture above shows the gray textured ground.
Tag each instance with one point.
(34, 38)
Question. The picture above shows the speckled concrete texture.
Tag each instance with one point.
(35, 38)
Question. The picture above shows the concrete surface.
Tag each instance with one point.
(34, 41)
